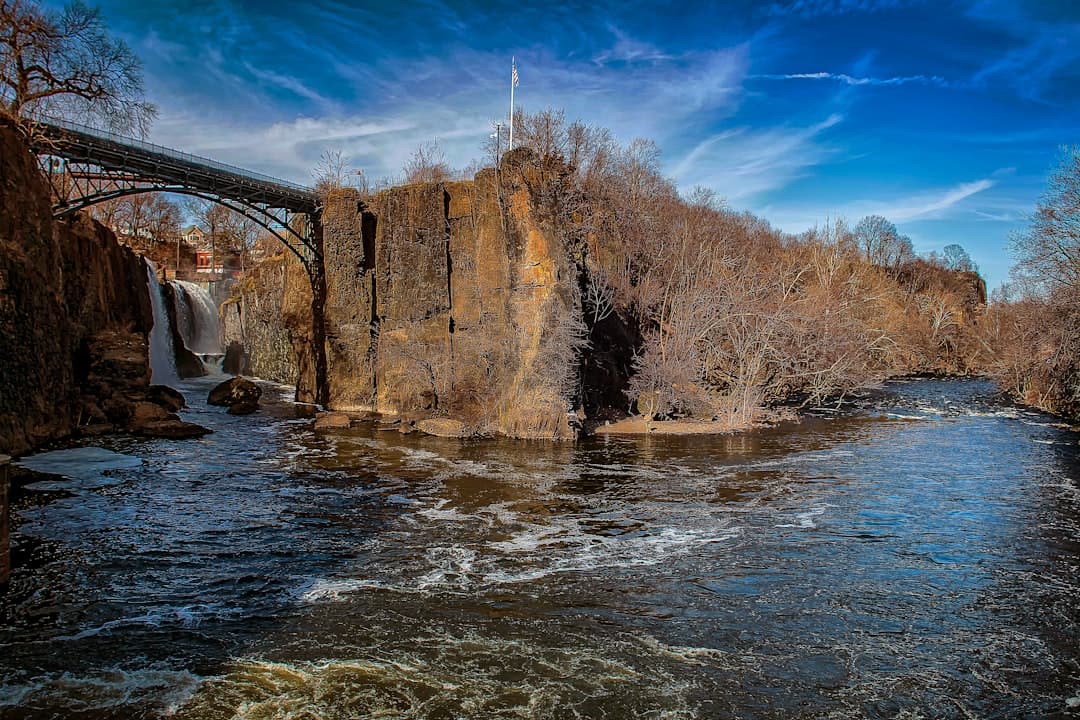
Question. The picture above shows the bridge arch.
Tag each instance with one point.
(299, 240)
(86, 166)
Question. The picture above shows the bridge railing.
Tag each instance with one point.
(170, 152)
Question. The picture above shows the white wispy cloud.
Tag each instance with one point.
(627, 49)
(452, 97)
(293, 85)
(852, 80)
(930, 204)
(742, 162)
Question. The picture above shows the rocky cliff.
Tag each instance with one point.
(454, 300)
(74, 317)
(253, 318)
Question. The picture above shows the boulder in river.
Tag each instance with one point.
(235, 391)
(166, 397)
(171, 429)
(244, 407)
(328, 420)
(145, 411)
(442, 427)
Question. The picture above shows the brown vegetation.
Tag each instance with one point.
(1031, 336)
(727, 316)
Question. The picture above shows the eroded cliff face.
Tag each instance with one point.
(74, 317)
(36, 375)
(253, 323)
(444, 300)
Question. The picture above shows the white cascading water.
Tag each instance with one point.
(197, 320)
(162, 361)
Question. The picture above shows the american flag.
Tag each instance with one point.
(513, 73)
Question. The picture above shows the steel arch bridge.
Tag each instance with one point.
(85, 166)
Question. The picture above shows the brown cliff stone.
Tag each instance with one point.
(257, 339)
(443, 427)
(74, 314)
(298, 317)
(413, 358)
(348, 256)
(332, 421)
(449, 301)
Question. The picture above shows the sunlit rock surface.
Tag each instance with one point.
(443, 300)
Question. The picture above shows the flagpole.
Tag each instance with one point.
(513, 74)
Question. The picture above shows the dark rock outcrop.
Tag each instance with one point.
(5, 527)
(237, 391)
(236, 360)
(74, 316)
(171, 428)
(118, 383)
(166, 397)
(244, 407)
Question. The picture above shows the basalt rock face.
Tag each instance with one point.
(74, 315)
(455, 301)
(349, 309)
(258, 341)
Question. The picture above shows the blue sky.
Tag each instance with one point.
(943, 116)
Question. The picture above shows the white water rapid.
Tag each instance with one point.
(162, 361)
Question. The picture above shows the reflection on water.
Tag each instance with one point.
(917, 557)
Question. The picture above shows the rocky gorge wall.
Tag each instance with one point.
(268, 327)
(451, 301)
(75, 314)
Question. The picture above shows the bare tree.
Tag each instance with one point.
(140, 220)
(67, 64)
(879, 241)
(957, 258)
(544, 132)
(599, 295)
(1048, 252)
(427, 164)
(331, 173)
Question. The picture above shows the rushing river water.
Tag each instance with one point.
(918, 557)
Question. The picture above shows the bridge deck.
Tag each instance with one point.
(158, 164)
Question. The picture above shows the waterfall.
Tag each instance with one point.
(162, 362)
(197, 322)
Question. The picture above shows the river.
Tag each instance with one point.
(916, 556)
